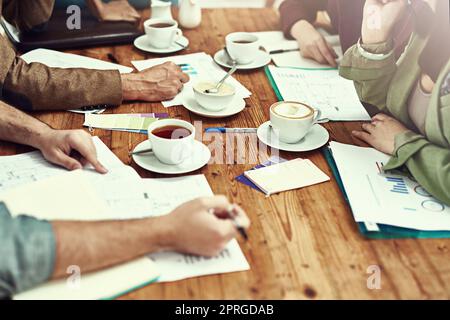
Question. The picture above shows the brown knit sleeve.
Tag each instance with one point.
(35, 86)
(292, 11)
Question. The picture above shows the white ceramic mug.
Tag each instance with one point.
(162, 37)
(172, 151)
(243, 47)
(291, 121)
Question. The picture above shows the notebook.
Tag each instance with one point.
(290, 175)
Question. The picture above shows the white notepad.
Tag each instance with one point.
(295, 174)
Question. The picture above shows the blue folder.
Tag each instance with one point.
(386, 231)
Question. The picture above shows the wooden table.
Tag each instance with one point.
(303, 244)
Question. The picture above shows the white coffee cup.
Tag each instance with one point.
(172, 150)
(291, 121)
(243, 47)
(162, 33)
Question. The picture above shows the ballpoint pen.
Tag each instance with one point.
(231, 130)
(283, 51)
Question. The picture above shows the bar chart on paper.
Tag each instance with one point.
(387, 198)
(398, 185)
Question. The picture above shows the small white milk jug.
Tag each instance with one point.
(190, 15)
(161, 9)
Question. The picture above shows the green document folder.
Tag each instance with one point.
(386, 231)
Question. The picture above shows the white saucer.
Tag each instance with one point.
(261, 60)
(201, 156)
(236, 106)
(142, 44)
(316, 138)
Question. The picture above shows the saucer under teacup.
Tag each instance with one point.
(235, 107)
(148, 161)
(142, 44)
(316, 138)
(262, 59)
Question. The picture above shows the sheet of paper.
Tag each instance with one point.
(68, 196)
(295, 60)
(22, 169)
(325, 90)
(118, 121)
(57, 59)
(275, 40)
(164, 195)
(200, 67)
(289, 175)
(386, 198)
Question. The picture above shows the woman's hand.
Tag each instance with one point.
(312, 44)
(381, 133)
(380, 17)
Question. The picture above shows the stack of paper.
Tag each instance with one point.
(284, 176)
(381, 198)
(200, 67)
(273, 41)
(120, 194)
(325, 90)
(58, 198)
(136, 123)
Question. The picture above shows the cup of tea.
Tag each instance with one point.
(291, 121)
(162, 33)
(243, 47)
(172, 140)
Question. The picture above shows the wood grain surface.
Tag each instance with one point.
(303, 244)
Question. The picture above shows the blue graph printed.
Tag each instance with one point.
(398, 185)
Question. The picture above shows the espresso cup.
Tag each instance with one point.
(291, 121)
(162, 33)
(243, 47)
(172, 150)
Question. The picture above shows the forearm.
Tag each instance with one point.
(293, 11)
(16, 126)
(35, 86)
(97, 245)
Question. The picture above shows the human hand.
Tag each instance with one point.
(379, 19)
(202, 227)
(117, 10)
(58, 146)
(159, 83)
(312, 44)
(381, 133)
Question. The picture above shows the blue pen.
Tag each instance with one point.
(226, 130)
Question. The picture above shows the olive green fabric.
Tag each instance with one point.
(387, 84)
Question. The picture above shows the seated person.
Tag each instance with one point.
(413, 94)
(37, 87)
(34, 251)
(298, 19)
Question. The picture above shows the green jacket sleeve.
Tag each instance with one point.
(428, 163)
(372, 78)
